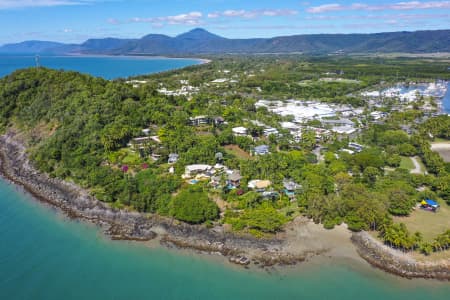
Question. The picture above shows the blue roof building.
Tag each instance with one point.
(261, 150)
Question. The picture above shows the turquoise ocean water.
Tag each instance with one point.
(108, 67)
(46, 256)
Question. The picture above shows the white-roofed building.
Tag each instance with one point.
(239, 131)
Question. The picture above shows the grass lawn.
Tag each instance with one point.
(440, 140)
(124, 156)
(428, 223)
(131, 158)
(406, 163)
(237, 151)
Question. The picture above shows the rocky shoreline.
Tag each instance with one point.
(123, 225)
(297, 244)
(395, 262)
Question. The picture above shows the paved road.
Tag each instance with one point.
(443, 149)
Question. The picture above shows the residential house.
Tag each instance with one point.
(173, 158)
(290, 188)
(199, 120)
(292, 127)
(215, 181)
(234, 179)
(259, 185)
(355, 146)
(198, 170)
(270, 130)
(239, 131)
(140, 143)
(377, 115)
(146, 131)
(219, 121)
(347, 151)
(270, 195)
(261, 150)
(344, 129)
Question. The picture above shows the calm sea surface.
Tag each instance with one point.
(109, 67)
(446, 100)
(45, 256)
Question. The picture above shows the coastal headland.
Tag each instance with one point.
(299, 241)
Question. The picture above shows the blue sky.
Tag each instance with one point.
(78, 20)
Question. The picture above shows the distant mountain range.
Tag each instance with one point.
(200, 41)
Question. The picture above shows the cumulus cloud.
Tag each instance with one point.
(411, 5)
(197, 18)
(325, 8)
(249, 14)
(379, 16)
(214, 15)
(191, 18)
(10, 4)
(420, 5)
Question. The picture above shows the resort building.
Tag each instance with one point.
(337, 122)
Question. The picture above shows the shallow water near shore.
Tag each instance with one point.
(43, 255)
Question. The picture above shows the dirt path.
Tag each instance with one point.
(417, 169)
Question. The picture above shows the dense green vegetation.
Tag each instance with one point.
(79, 127)
(193, 206)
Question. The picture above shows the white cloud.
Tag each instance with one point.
(242, 13)
(411, 5)
(214, 15)
(11, 4)
(420, 5)
(197, 18)
(113, 21)
(380, 16)
(325, 8)
(191, 18)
